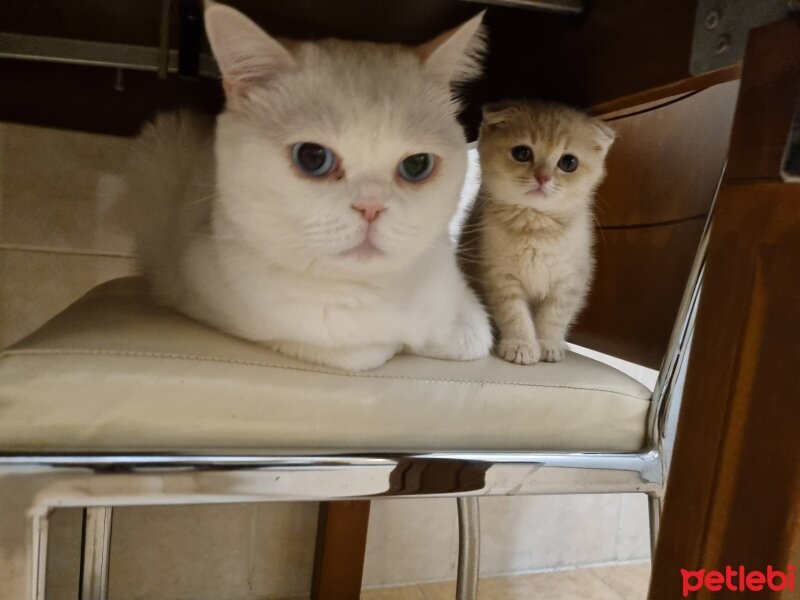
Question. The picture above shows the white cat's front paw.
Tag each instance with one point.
(521, 352)
(470, 339)
(552, 351)
(472, 343)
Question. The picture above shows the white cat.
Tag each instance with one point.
(313, 216)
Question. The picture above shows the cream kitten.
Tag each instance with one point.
(313, 216)
(528, 241)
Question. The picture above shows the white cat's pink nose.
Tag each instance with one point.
(542, 178)
(369, 210)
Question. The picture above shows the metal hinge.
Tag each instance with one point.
(721, 28)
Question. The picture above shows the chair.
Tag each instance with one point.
(118, 402)
(110, 402)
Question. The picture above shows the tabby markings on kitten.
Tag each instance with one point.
(312, 215)
(527, 244)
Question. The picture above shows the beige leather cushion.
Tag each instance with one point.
(114, 372)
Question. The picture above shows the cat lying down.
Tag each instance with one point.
(312, 216)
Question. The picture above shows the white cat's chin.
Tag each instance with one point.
(364, 250)
(361, 264)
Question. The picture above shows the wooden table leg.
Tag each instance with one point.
(341, 543)
(733, 496)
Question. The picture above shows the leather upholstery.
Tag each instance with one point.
(113, 372)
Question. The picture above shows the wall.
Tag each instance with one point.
(59, 236)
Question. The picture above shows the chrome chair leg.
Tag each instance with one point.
(38, 567)
(95, 553)
(654, 506)
(469, 548)
(24, 528)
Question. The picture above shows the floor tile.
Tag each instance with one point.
(412, 592)
(445, 590)
(561, 585)
(629, 581)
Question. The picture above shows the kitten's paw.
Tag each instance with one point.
(552, 351)
(520, 352)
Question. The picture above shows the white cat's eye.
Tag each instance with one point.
(416, 167)
(313, 159)
(568, 163)
(522, 153)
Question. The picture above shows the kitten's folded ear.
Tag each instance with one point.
(605, 135)
(496, 113)
(455, 56)
(247, 56)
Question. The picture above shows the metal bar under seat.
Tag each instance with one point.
(469, 548)
(95, 553)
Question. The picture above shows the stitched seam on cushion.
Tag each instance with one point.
(254, 363)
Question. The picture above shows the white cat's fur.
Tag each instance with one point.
(232, 234)
(528, 245)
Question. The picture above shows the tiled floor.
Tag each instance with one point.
(625, 582)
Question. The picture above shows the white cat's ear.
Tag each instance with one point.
(247, 56)
(605, 135)
(455, 55)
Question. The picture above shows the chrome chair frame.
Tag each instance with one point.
(98, 482)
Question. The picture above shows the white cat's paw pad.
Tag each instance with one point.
(552, 351)
(519, 351)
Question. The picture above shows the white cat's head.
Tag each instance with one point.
(542, 155)
(339, 157)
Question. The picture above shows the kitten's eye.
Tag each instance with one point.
(568, 163)
(522, 153)
(416, 167)
(312, 159)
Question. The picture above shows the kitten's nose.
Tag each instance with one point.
(369, 210)
(542, 178)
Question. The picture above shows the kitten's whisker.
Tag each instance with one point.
(469, 245)
(472, 228)
(203, 199)
(470, 261)
(599, 227)
(601, 204)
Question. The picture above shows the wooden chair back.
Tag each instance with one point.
(663, 171)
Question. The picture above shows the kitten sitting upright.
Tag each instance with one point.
(312, 216)
(527, 244)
